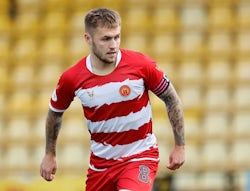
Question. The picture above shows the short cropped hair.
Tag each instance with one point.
(101, 17)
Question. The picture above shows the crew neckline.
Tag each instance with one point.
(88, 61)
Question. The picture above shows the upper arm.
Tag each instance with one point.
(54, 113)
(170, 96)
(53, 118)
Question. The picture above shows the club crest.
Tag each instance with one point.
(125, 90)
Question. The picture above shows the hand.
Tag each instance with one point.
(48, 167)
(176, 158)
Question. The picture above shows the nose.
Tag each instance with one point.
(113, 43)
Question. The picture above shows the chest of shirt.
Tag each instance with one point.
(110, 92)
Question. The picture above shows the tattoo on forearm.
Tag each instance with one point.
(53, 125)
(175, 114)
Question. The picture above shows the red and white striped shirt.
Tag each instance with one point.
(116, 107)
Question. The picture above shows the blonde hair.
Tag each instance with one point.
(101, 17)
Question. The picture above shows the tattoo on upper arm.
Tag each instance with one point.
(175, 113)
(53, 125)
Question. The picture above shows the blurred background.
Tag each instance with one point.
(202, 45)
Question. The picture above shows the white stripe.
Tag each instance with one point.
(145, 158)
(116, 152)
(56, 110)
(97, 169)
(91, 166)
(122, 124)
(109, 93)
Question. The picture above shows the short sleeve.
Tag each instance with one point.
(156, 80)
(63, 94)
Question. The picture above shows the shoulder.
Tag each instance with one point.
(71, 76)
(74, 70)
(138, 61)
(135, 56)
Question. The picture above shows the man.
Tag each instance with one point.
(113, 85)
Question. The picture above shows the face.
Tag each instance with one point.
(104, 44)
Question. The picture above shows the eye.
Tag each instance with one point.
(117, 37)
(105, 38)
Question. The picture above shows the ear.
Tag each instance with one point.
(87, 38)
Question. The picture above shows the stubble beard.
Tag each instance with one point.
(100, 57)
(106, 61)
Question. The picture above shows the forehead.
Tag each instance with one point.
(107, 31)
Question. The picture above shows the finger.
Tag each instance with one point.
(49, 177)
(170, 166)
(173, 166)
(182, 162)
(53, 171)
(172, 163)
(52, 176)
(45, 176)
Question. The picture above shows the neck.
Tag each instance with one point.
(101, 68)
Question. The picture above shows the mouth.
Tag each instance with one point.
(112, 53)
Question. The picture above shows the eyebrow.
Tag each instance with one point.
(107, 36)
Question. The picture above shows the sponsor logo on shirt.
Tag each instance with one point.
(91, 94)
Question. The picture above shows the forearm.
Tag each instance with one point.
(53, 125)
(175, 114)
